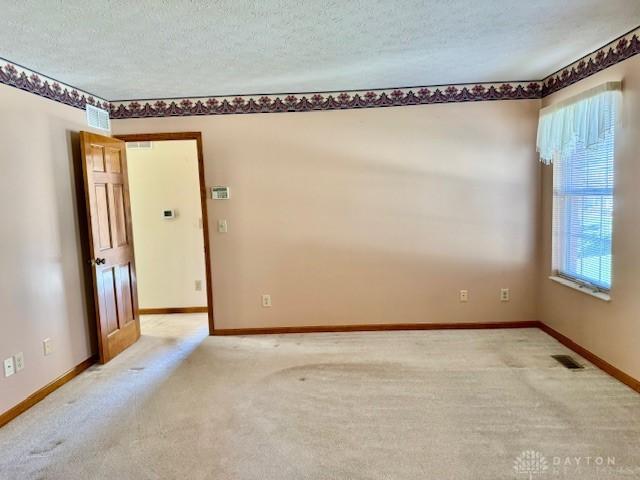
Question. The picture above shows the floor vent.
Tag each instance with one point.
(568, 362)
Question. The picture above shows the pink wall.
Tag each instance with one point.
(610, 330)
(371, 216)
(344, 217)
(41, 279)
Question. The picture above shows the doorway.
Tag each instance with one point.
(169, 219)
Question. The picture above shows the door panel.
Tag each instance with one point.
(109, 291)
(114, 161)
(102, 213)
(97, 158)
(111, 243)
(119, 213)
(126, 295)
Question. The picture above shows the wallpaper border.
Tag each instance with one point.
(320, 101)
(15, 75)
(612, 53)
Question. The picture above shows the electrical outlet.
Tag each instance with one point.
(266, 300)
(8, 367)
(464, 295)
(504, 295)
(47, 346)
(18, 360)
(198, 285)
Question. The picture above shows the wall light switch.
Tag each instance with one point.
(198, 285)
(47, 346)
(18, 360)
(8, 367)
(464, 295)
(266, 300)
(222, 226)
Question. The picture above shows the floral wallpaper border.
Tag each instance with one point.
(20, 77)
(324, 100)
(614, 52)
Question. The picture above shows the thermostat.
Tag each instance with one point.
(220, 193)
(168, 213)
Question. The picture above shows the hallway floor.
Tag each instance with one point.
(374, 405)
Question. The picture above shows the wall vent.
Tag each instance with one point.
(140, 145)
(98, 118)
(567, 361)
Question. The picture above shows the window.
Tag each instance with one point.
(582, 212)
(577, 136)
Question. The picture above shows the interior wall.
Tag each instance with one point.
(611, 330)
(169, 252)
(373, 215)
(42, 287)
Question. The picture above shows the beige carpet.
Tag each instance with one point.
(379, 406)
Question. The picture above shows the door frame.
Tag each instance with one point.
(197, 136)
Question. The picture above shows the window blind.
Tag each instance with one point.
(583, 210)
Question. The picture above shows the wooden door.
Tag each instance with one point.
(106, 188)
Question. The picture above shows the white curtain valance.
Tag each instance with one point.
(584, 118)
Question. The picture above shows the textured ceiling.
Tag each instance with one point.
(157, 49)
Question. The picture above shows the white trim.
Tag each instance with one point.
(581, 288)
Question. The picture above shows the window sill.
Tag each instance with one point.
(605, 297)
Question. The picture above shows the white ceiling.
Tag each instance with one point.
(161, 48)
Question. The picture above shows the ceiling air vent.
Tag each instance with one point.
(140, 145)
(98, 118)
